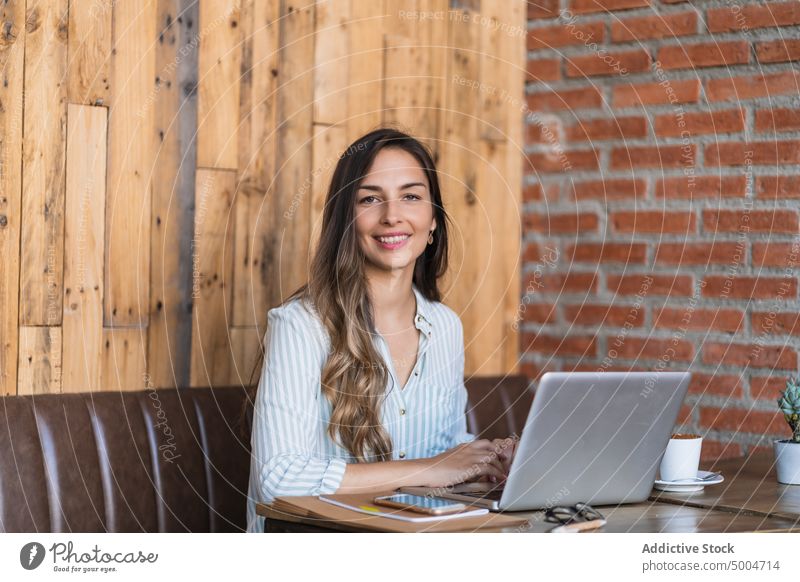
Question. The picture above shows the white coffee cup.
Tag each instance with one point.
(681, 460)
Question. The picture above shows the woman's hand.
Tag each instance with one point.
(505, 449)
(463, 463)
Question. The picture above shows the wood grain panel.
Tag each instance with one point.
(12, 62)
(123, 365)
(365, 69)
(42, 251)
(39, 360)
(331, 61)
(256, 167)
(169, 330)
(84, 216)
(212, 356)
(131, 153)
(218, 89)
(288, 254)
(89, 64)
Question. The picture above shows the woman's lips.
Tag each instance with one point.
(393, 245)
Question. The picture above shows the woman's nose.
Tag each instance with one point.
(390, 211)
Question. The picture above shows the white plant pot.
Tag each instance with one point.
(787, 461)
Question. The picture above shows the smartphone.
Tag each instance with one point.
(420, 504)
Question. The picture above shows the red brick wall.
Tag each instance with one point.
(661, 201)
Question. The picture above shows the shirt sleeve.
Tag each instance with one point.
(286, 419)
(457, 422)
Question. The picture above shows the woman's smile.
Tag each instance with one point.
(392, 241)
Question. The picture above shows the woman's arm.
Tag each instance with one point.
(383, 475)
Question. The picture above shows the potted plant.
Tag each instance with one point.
(787, 451)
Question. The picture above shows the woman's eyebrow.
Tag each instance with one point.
(376, 188)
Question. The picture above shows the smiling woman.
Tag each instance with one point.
(362, 385)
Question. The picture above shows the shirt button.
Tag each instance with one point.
(402, 411)
(416, 373)
(402, 455)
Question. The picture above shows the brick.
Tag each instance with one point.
(567, 223)
(778, 186)
(749, 17)
(742, 287)
(753, 355)
(775, 221)
(670, 156)
(563, 161)
(716, 385)
(648, 285)
(609, 189)
(700, 253)
(617, 63)
(759, 153)
(588, 6)
(775, 323)
(777, 120)
(685, 318)
(538, 313)
(716, 451)
(684, 415)
(531, 252)
(653, 222)
(559, 345)
(753, 87)
(767, 388)
(618, 128)
(667, 350)
(565, 35)
(615, 315)
(572, 282)
(699, 123)
(776, 254)
(543, 70)
(544, 131)
(743, 421)
(543, 9)
(608, 252)
(687, 91)
(710, 54)
(778, 51)
(654, 27)
(583, 98)
(687, 187)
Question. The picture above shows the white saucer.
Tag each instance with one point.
(688, 485)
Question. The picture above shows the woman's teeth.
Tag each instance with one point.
(390, 240)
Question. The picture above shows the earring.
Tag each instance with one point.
(430, 238)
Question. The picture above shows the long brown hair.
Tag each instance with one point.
(354, 377)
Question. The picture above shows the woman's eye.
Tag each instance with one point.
(367, 199)
(413, 196)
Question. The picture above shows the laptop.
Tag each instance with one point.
(596, 437)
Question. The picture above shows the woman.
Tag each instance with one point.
(362, 386)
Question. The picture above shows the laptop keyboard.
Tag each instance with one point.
(494, 494)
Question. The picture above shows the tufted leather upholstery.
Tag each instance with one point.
(165, 461)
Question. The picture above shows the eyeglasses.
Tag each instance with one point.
(574, 514)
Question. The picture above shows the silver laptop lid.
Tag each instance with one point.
(596, 437)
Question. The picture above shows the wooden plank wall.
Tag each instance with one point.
(164, 165)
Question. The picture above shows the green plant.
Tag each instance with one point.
(789, 403)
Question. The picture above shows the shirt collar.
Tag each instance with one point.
(422, 318)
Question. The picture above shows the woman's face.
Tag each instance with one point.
(394, 213)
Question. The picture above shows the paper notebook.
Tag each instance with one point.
(389, 513)
(311, 510)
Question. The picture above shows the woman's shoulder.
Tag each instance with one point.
(300, 313)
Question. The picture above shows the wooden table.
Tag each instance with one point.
(750, 499)
(750, 488)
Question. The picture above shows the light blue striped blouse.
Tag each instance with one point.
(292, 453)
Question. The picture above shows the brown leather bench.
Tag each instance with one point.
(158, 461)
